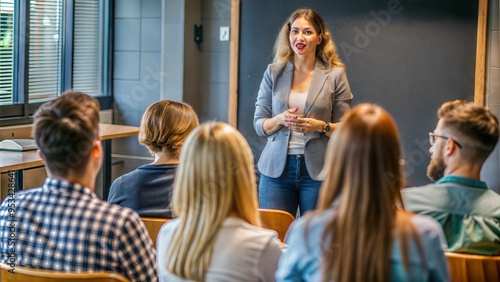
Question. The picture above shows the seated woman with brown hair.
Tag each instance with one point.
(148, 189)
(216, 235)
(359, 231)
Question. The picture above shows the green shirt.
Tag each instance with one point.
(467, 210)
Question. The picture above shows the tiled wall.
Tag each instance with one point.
(137, 56)
(215, 61)
(491, 169)
(204, 74)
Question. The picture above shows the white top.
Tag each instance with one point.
(242, 252)
(296, 143)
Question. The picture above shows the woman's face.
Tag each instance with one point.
(303, 37)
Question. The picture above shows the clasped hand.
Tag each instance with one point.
(290, 119)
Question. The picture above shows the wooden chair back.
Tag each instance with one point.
(276, 220)
(473, 268)
(24, 274)
(153, 225)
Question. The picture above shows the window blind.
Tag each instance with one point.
(6, 50)
(45, 49)
(87, 49)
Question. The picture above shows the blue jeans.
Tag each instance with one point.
(293, 189)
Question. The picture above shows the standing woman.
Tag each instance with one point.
(359, 231)
(303, 94)
(216, 237)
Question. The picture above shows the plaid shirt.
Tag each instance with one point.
(65, 226)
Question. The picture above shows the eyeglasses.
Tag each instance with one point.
(432, 139)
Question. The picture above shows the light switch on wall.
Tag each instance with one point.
(224, 33)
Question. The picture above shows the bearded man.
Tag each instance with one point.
(468, 211)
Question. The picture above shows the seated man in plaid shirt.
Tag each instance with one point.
(63, 225)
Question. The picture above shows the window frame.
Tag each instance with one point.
(21, 113)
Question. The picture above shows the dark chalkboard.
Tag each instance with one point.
(407, 56)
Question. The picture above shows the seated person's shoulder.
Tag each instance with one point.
(419, 189)
(311, 224)
(495, 196)
(121, 216)
(122, 182)
(421, 198)
(116, 209)
(25, 198)
(429, 230)
(169, 227)
(248, 232)
(28, 193)
(426, 224)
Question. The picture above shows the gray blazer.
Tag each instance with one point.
(329, 98)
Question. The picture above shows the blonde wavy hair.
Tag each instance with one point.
(363, 171)
(165, 126)
(326, 51)
(215, 178)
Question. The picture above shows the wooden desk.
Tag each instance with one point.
(10, 160)
(18, 161)
(113, 131)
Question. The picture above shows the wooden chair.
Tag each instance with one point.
(23, 274)
(473, 268)
(276, 220)
(153, 225)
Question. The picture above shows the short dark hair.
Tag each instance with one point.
(65, 129)
(475, 125)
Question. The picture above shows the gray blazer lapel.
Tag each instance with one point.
(318, 80)
(283, 90)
